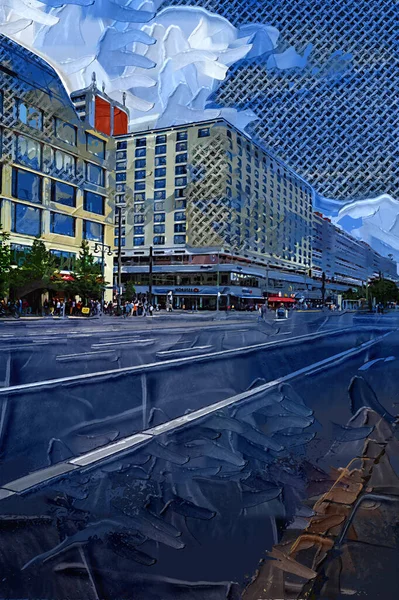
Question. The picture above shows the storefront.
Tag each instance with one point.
(205, 297)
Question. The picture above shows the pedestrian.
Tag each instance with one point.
(151, 310)
(58, 307)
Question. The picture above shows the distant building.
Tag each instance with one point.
(343, 258)
(56, 168)
(99, 110)
(206, 189)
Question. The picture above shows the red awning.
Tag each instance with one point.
(68, 278)
(278, 299)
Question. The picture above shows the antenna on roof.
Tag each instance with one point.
(93, 79)
(124, 98)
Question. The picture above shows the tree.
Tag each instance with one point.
(35, 272)
(355, 293)
(384, 290)
(86, 280)
(5, 263)
(130, 290)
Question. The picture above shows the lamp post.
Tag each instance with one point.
(150, 269)
(119, 282)
(100, 246)
(218, 285)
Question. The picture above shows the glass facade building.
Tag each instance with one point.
(57, 173)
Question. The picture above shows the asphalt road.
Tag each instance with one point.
(198, 483)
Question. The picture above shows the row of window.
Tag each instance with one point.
(33, 117)
(29, 186)
(27, 220)
(29, 152)
(159, 240)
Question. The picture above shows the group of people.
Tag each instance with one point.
(139, 308)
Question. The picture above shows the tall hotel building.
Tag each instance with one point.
(220, 214)
(57, 166)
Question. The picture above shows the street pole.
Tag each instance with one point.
(218, 285)
(102, 275)
(150, 268)
(119, 253)
(267, 285)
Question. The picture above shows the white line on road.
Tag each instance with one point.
(92, 458)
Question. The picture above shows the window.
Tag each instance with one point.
(138, 230)
(160, 183)
(120, 176)
(28, 152)
(116, 241)
(94, 203)
(179, 239)
(181, 147)
(181, 158)
(160, 195)
(158, 240)
(26, 186)
(93, 231)
(65, 132)
(63, 193)
(160, 149)
(62, 224)
(121, 145)
(180, 227)
(160, 172)
(160, 139)
(139, 174)
(121, 155)
(64, 162)
(30, 115)
(18, 253)
(120, 187)
(179, 204)
(121, 166)
(140, 152)
(138, 219)
(65, 261)
(95, 174)
(159, 206)
(138, 241)
(139, 197)
(181, 170)
(181, 136)
(180, 193)
(140, 163)
(159, 228)
(26, 220)
(95, 145)
(159, 218)
(204, 132)
(160, 161)
(141, 142)
(179, 181)
(139, 208)
(180, 216)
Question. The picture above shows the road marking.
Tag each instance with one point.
(94, 457)
(172, 362)
(179, 350)
(128, 343)
(73, 357)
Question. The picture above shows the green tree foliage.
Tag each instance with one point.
(35, 272)
(355, 293)
(130, 290)
(383, 290)
(5, 263)
(87, 280)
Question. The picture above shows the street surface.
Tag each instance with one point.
(176, 450)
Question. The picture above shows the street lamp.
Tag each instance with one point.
(100, 246)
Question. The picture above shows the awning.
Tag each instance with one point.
(278, 299)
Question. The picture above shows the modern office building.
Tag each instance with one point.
(204, 195)
(334, 118)
(343, 258)
(57, 170)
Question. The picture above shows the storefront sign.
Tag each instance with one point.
(187, 290)
(85, 310)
